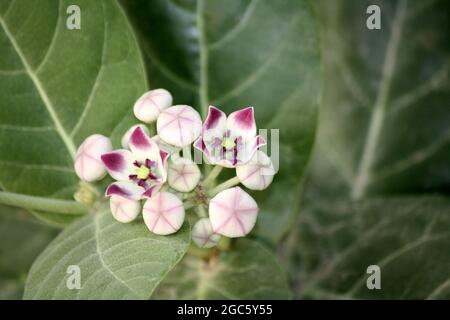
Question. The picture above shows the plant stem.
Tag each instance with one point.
(202, 212)
(225, 185)
(41, 203)
(151, 129)
(213, 174)
(188, 204)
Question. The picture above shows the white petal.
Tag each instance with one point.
(203, 234)
(129, 190)
(163, 213)
(179, 125)
(124, 210)
(242, 123)
(88, 164)
(119, 164)
(148, 107)
(183, 175)
(233, 213)
(127, 135)
(258, 173)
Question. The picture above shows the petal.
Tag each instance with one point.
(148, 107)
(249, 148)
(163, 213)
(183, 175)
(152, 190)
(127, 190)
(143, 147)
(216, 120)
(203, 234)
(88, 164)
(179, 125)
(123, 209)
(119, 164)
(233, 213)
(258, 173)
(127, 135)
(200, 145)
(242, 123)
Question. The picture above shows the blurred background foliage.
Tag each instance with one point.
(377, 185)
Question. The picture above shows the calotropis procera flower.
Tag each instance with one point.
(139, 172)
(148, 107)
(203, 234)
(258, 173)
(88, 165)
(163, 213)
(179, 125)
(183, 174)
(233, 213)
(231, 141)
(127, 135)
(124, 210)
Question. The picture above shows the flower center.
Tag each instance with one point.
(228, 143)
(142, 172)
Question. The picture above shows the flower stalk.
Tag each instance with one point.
(224, 185)
(212, 175)
(40, 203)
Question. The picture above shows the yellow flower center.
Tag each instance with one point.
(228, 143)
(142, 172)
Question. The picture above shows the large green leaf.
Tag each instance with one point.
(247, 271)
(237, 53)
(57, 86)
(385, 118)
(22, 239)
(408, 238)
(116, 261)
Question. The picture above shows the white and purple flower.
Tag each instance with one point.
(139, 172)
(229, 141)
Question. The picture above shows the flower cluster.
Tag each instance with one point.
(157, 176)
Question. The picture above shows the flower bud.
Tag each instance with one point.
(203, 234)
(258, 173)
(88, 165)
(183, 175)
(127, 135)
(179, 125)
(163, 213)
(124, 210)
(233, 213)
(148, 107)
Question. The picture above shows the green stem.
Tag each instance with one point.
(151, 129)
(201, 211)
(188, 204)
(41, 203)
(213, 174)
(225, 185)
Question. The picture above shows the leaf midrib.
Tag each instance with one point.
(68, 142)
(378, 115)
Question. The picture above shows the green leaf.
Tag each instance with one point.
(407, 237)
(57, 86)
(384, 122)
(22, 239)
(116, 261)
(247, 271)
(240, 53)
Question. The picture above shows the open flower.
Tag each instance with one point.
(231, 141)
(139, 172)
